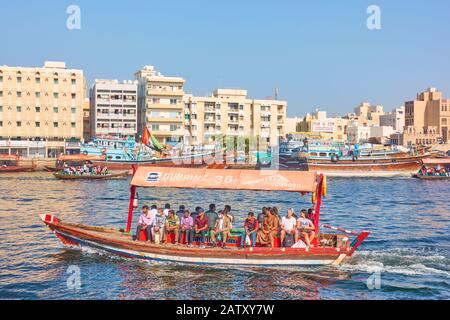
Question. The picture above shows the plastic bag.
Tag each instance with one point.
(248, 242)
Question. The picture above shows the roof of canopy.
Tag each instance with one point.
(267, 180)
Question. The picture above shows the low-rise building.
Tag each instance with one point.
(41, 109)
(113, 108)
(394, 119)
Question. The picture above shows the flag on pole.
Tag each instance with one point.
(150, 141)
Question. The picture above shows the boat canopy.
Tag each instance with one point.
(7, 157)
(265, 180)
(81, 157)
(436, 161)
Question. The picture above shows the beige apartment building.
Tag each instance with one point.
(41, 109)
(427, 119)
(113, 108)
(318, 123)
(229, 112)
(160, 105)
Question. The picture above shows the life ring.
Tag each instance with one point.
(334, 158)
(85, 152)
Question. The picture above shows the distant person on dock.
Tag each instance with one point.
(172, 225)
(145, 223)
(305, 229)
(212, 216)
(187, 228)
(269, 230)
(201, 226)
(222, 227)
(158, 226)
(251, 226)
(288, 225)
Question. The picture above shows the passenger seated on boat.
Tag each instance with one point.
(158, 226)
(166, 209)
(172, 225)
(305, 228)
(222, 227)
(201, 226)
(145, 223)
(212, 216)
(251, 226)
(269, 230)
(261, 216)
(228, 208)
(288, 225)
(194, 214)
(180, 212)
(5, 164)
(186, 228)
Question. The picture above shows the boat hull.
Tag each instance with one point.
(117, 243)
(422, 177)
(90, 177)
(18, 169)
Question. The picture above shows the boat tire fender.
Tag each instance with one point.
(334, 158)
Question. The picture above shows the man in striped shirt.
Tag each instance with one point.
(145, 223)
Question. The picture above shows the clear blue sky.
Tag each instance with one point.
(319, 53)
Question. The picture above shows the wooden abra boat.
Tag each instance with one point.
(87, 176)
(11, 163)
(328, 249)
(430, 177)
(72, 160)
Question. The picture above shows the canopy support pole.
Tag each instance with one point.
(318, 204)
(130, 206)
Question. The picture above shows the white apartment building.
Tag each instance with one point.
(394, 119)
(113, 108)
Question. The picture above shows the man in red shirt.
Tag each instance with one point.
(251, 226)
(201, 226)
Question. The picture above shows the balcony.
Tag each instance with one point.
(179, 106)
(165, 120)
(165, 92)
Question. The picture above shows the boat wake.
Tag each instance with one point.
(408, 262)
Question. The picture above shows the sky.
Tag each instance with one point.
(319, 54)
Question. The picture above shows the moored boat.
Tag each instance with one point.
(12, 163)
(327, 249)
(87, 176)
(72, 160)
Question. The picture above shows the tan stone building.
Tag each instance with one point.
(160, 105)
(229, 112)
(41, 109)
(318, 123)
(427, 119)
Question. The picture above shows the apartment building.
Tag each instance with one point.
(427, 119)
(113, 108)
(86, 120)
(41, 109)
(319, 123)
(229, 112)
(160, 105)
(367, 114)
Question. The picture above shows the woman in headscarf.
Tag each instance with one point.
(269, 229)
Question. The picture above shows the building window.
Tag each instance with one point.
(19, 109)
(74, 81)
(38, 94)
(1, 93)
(1, 124)
(155, 100)
(1, 78)
(155, 127)
(19, 94)
(19, 123)
(55, 109)
(38, 80)
(55, 81)
(1, 108)
(19, 79)
(74, 95)
(73, 109)
(38, 109)
(55, 124)
(73, 124)
(55, 95)
(173, 101)
(37, 124)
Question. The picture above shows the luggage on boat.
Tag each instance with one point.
(288, 241)
(299, 244)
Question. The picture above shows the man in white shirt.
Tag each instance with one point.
(166, 209)
(288, 224)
